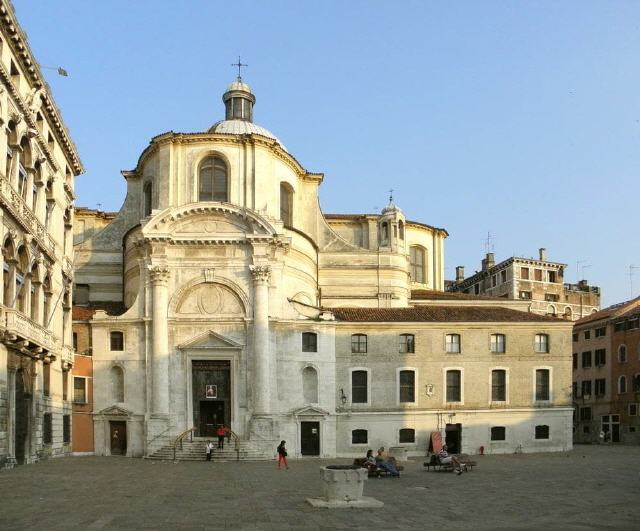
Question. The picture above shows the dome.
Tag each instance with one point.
(239, 85)
(242, 127)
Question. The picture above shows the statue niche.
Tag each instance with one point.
(210, 299)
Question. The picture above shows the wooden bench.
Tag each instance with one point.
(375, 472)
(435, 464)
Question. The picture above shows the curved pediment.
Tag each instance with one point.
(207, 221)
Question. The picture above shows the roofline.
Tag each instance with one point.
(22, 52)
(376, 216)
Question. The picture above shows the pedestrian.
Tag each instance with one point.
(282, 455)
(209, 450)
(221, 432)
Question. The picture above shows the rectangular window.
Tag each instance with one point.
(618, 327)
(117, 341)
(476, 289)
(407, 343)
(503, 276)
(359, 344)
(454, 380)
(542, 432)
(575, 338)
(66, 428)
(575, 360)
(551, 297)
(47, 428)
(632, 324)
(542, 384)
(524, 273)
(601, 357)
(525, 295)
(79, 390)
(633, 410)
(586, 388)
(538, 275)
(586, 359)
(309, 342)
(587, 334)
(494, 281)
(498, 433)
(498, 343)
(585, 413)
(541, 343)
(453, 343)
(46, 379)
(359, 387)
(359, 437)
(601, 386)
(407, 386)
(407, 436)
(552, 276)
(498, 385)
(574, 389)
(65, 385)
(601, 332)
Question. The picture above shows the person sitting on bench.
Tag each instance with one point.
(446, 459)
(386, 464)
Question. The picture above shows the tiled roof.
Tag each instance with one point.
(434, 295)
(609, 312)
(436, 314)
(84, 313)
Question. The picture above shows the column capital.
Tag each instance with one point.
(159, 274)
(260, 273)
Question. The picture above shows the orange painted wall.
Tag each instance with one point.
(82, 430)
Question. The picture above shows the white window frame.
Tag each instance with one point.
(533, 435)
(448, 334)
(124, 340)
(491, 335)
(416, 386)
(533, 396)
(548, 343)
(369, 387)
(506, 385)
(359, 445)
(444, 386)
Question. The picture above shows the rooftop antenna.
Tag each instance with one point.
(632, 268)
(488, 244)
(239, 65)
(580, 268)
(99, 205)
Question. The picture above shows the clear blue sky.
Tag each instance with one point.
(518, 118)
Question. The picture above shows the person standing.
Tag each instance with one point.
(221, 432)
(282, 455)
(209, 450)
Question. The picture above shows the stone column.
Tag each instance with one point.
(33, 412)
(11, 415)
(10, 295)
(160, 333)
(261, 382)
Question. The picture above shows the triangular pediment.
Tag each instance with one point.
(310, 411)
(115, 411)
(210, 340)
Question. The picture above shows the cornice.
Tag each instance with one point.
(22, 52)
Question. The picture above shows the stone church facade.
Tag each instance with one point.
(221, 294)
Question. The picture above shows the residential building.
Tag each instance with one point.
(605, 370)
(538, 281)
(242, 303)
(36, 216)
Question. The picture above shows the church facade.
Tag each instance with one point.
(220, 294)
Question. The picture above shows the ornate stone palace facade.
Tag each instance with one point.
(36, 195)
(221, 294)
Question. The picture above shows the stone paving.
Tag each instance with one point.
(592, 487)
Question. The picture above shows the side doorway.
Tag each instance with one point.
(453, 438)
(310, 438)
(118, 437)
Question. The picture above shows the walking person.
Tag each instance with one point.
(282, 455)
(209, 450)
(221, 432)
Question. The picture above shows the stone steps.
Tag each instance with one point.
(195, 451)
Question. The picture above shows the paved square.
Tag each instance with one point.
(592, 487)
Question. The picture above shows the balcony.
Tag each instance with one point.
(25, 335)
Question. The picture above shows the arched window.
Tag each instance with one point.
(21, 272)
(310, 385)
(417, 260)
(622, 354)
(401, 229)
(551, 310)
(46, 300)
(117, 384)
(568, 314)
(384, 232)
(622, 384)
(8, 255)
(286, 204)
(213, 182)
(147, 193)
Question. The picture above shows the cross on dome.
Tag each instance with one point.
(239, 65)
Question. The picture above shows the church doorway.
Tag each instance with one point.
(23, 401)
(310, 438)
(211, 400)
(211, 416)
(118, 436)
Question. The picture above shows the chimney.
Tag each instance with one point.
(488, 262)
(459, 274)
(543, 254)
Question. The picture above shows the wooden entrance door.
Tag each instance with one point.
(118, 436)
(310, 438)
(453, 438)
(212, 414)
